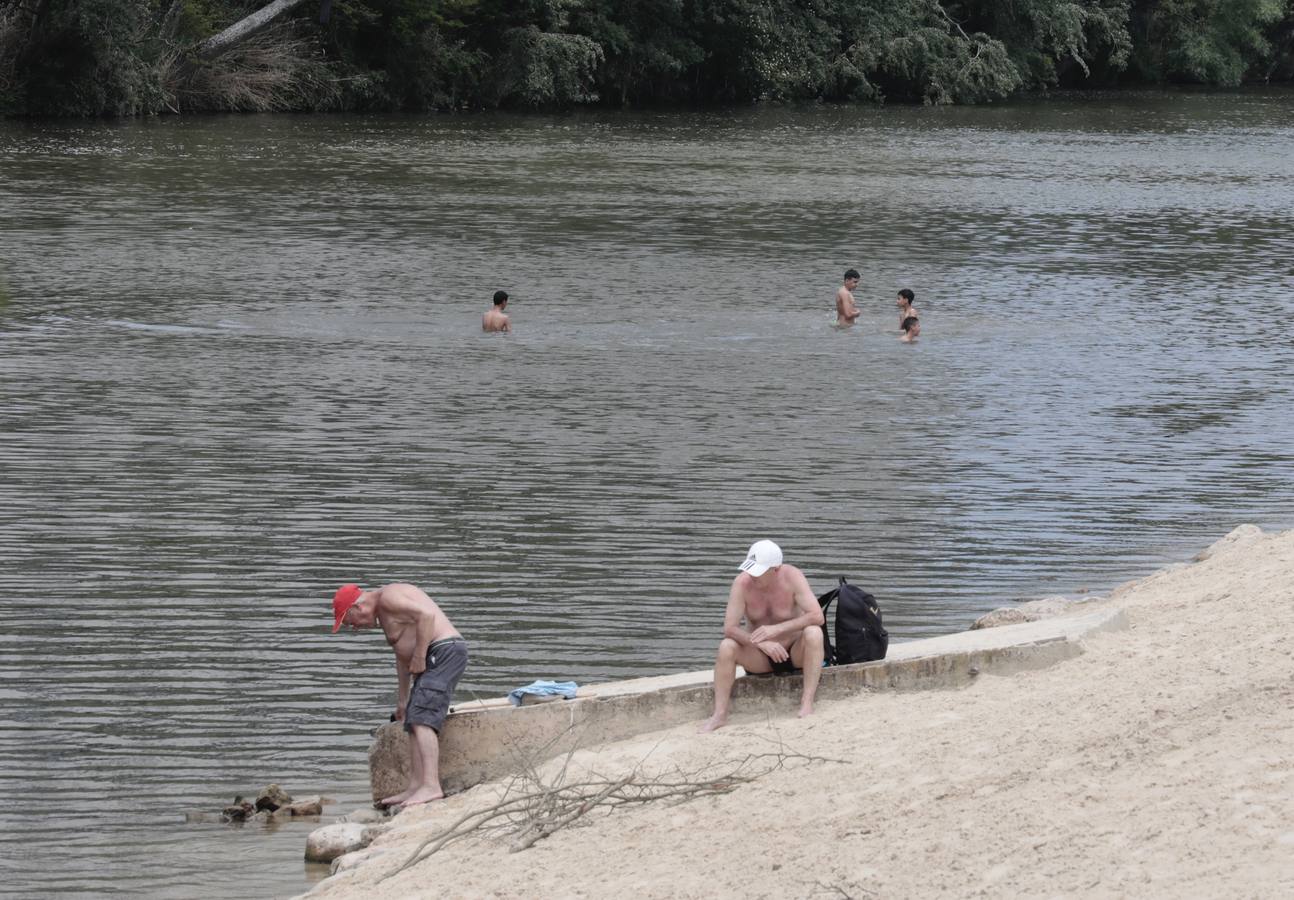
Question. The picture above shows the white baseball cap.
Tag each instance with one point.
(763, 556)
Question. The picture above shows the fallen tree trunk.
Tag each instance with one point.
(244, 28)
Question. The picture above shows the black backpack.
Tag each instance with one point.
(860, 636)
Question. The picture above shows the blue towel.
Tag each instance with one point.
(544, 689)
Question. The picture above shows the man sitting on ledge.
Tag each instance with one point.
(786, 628)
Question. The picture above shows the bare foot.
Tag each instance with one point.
(396, 799)
(805, 711)
(713, 723)
(421, 796)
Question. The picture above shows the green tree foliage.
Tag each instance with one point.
(919, 51)
(648, 49)
(545, 68)
(124, 57)
(1206, 41)
(1054, 41)
(82, 57)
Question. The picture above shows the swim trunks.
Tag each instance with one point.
(433, 689)
(785, 667)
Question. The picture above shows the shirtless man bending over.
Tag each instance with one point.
(846, 309)
(785, 623)
(430, 656)
(494, 318)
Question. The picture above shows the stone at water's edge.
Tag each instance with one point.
(306, 806)
(272, 797)
(1027, 612)
(365, 816)
(238, 812)
(388, 761)
(327, 843)
(351, 860)
(1003, 616)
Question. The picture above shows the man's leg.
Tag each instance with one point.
(424, 753)
(725, 673)
(415, 775)
(807, 653)
(428, 707)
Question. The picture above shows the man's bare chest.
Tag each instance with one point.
(770, 607)
(400, 635)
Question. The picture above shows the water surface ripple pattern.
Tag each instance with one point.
(240, 364)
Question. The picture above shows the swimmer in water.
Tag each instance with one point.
(904, 303)
(494, 319)
(847, 310)
(911, 330)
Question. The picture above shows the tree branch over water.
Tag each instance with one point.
(245, 28)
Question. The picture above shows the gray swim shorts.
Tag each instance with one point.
(433, 689)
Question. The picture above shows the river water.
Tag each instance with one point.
(240, 364)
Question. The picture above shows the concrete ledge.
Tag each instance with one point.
(487, 739)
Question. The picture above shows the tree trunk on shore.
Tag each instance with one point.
(244, 28)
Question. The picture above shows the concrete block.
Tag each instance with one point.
(483, 740)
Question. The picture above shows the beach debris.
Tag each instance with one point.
(327, 843)
(537, 804)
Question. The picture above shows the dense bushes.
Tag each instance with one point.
(123, 57)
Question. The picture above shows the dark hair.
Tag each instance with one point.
(851, 273)
(500, 297)
(908, 323)
(907, 295)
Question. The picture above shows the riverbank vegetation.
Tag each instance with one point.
(140, 57)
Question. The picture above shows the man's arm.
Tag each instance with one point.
(507, 324)
(733, 616)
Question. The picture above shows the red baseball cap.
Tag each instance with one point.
(342, 601)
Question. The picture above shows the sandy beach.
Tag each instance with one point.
(1160, 762)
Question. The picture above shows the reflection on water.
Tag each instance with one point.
(241, 365)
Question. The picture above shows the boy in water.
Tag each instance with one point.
(906, 309)
(911, 330)
(494, 319)
(846, 310)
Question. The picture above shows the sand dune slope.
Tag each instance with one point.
(1158, 763)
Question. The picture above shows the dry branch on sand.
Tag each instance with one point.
(536, 804)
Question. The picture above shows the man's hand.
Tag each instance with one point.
(766, 633)
(417, 665)
(774, 651)
(399, 713)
